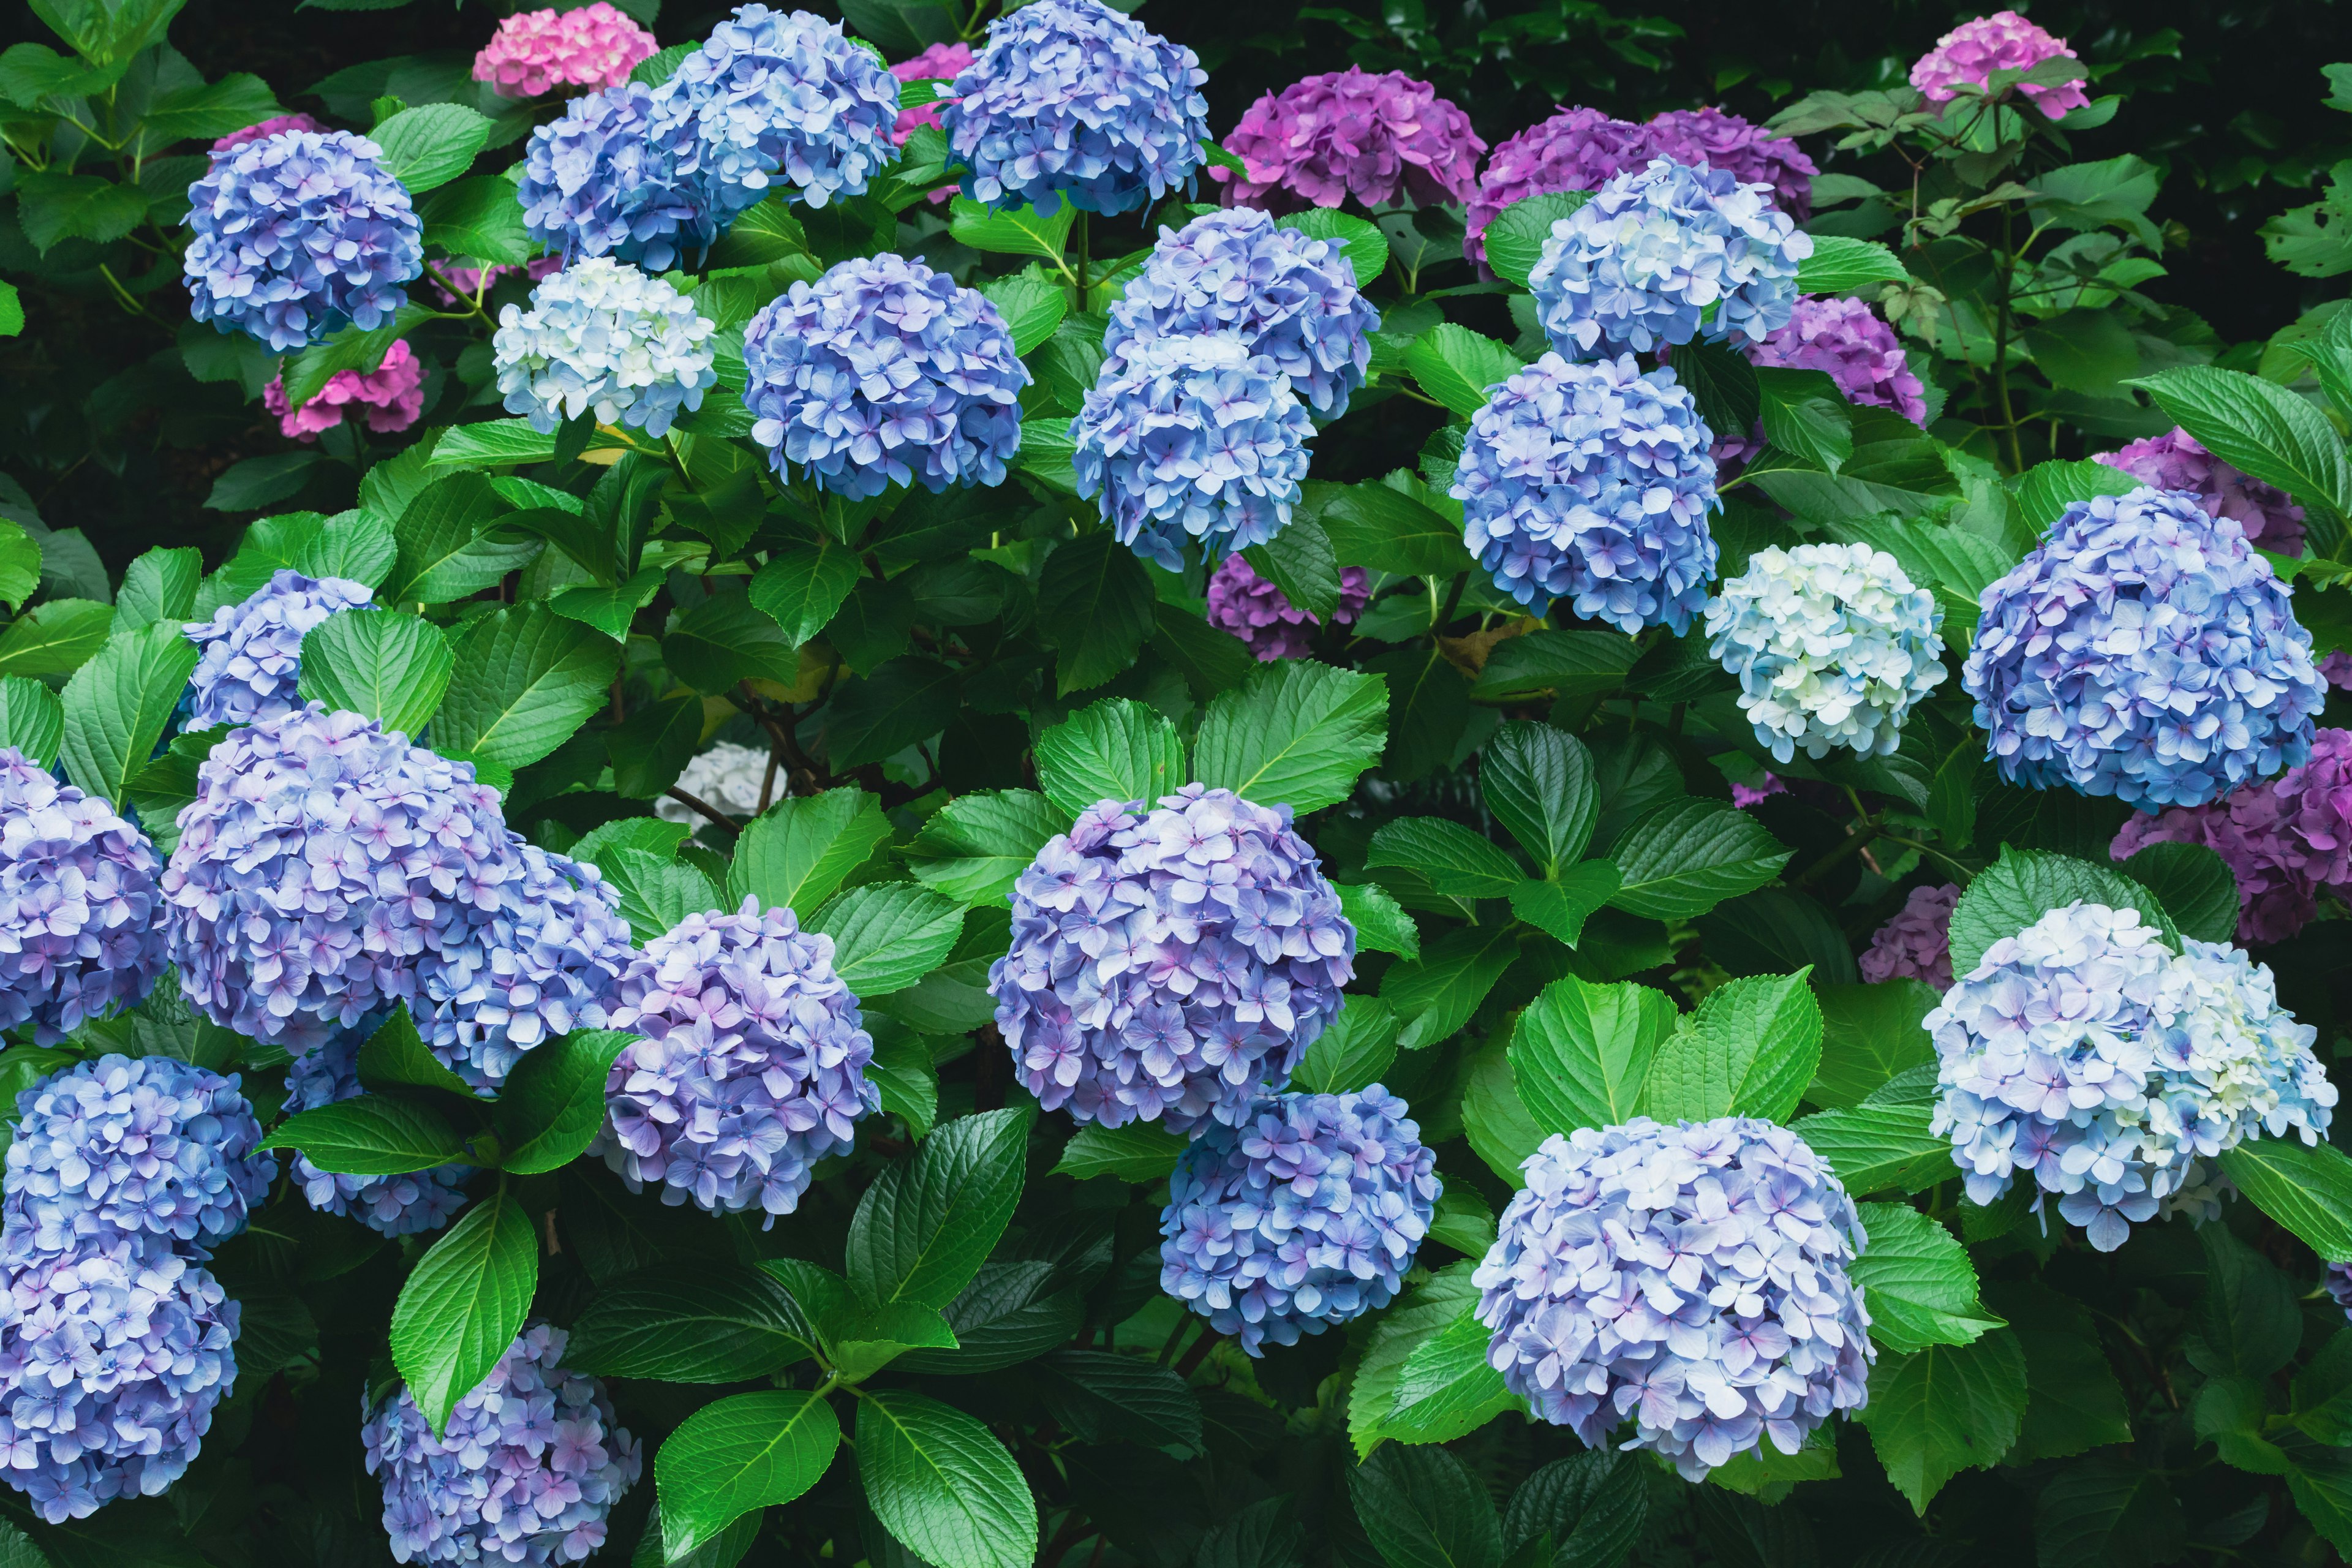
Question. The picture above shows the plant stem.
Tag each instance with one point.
(2001, 346)
(1452, 601)
(1086, 240)
(696, 802)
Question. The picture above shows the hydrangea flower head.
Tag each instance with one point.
(728, 777)
(942, 63)
(1285, 295)
(390, 1206)
(606, 178)
(2085, 1056)
(1073, 99)
(527, 1470)
(389, 397)
(1972, 51)
(751, 1068)
(1845, 338)
(1254, 610)
(882, 372)
(297, 235)
(2144, 650)
(251, 652)
(1169, 964)
(2337, 1281)
(1578, 149)
(601, 335)
(1917, 943)
(80, 905)
(1591, 483)
(1740, 148)
(1831, 644)
(535, 52)
(1381, 138)
(266, 127)
(2176, 461)
(1691, 1279)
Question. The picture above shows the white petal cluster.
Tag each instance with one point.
(601, 335)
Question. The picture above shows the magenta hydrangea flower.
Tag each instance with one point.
(1917, 943)
(1745, 795)
(1741, 147)
(388, 398)
(2174, 461)
(269, 127)
(1845, 338)
(1254, 610)
(80, 905)
(1379, 139)
(1972, 51)
(941, 63)
(535, 52)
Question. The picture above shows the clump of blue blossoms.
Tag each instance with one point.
(252, 658)
(1191, 438)
(1072, 99)
(79, 904)
(749, 1069)
(2086, 1055)
(2143, 651)
(882, 372)
(1169, 964)
(605, 179)
(527, 1470)
(297, 235)
(602, 336)
(1305, 1215)
(390, 1206)
(1831, 644)
(1591, 483)
(1666, 253)
(1692, 1279)
(1289, 297)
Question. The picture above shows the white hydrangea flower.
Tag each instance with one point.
(727, 775)
(600, 334)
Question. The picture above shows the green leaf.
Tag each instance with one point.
(432, 144)
(2247, 1323)
(1020, 232)
(1514, 239)
(494, 443)
(1381, 925)
(105, 32)
(2320, 1482)
(1869, 1034)
(2266, 431)
(1297, 734)
(886, 935)
(2023, 885)
(797, 854)
(656, 891)
(1593, 1505)
(31, 720)
(1431, 1307)
(20, 563)
(975, 848)
(357, 545)
(1805, 416)
(1299, 562)
(725, 639)
(1010, 1312)
(904, 1073)
(704, 1321)
(1687, 857)
(738, 1455)
(1920, 1285)
(1945, 1409)
(1538, 781)
(52, 206)
(371, 1135)
(2193, 885)
(118, 705)
(441, 558)
(1445, 1381)
(1102, 1398)
(924, 1226)
(2306, 1189)
(463, 1304)
(803, 587)
(862, 1340)
(1839, 265)
(1117, 749)
(1354, 1051)
(2074, 1402)
(941, 1483)
(552, 1103)
(1209, 660)
(1459, 367)
(160, 585)
(1495, 1121)
(479, 218)
(1366, 248)
(1030, 306)
(1095, 607)
(2089, 351)
(1142, 1152)
(1749, 1050)
(55, 639)
(1422, 1509)
(1559, 908)
(903, 701)
(1454, 861)
(2107, 1510)
(1383, 528)
(395, 1055)
(385, 664)
(651, 747)
(524, 679)
(2047, 489)
(610, 610)
(1877, 1147)
(1580, 1052)
(1436, 993)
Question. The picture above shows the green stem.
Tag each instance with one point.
(1452, 601)
(2001, 345)
(1084, 243)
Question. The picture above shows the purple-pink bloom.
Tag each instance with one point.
(1845, 338)
(389, 397)
(1972, 51)
(1745, 795)
(1323, 139)
(2174, 461)
(1917, 943)
(1254, 610)
(269, 127)
(1741, 147)
(940, 63)
(535, 52)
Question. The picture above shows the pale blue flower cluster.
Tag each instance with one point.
(80, 905)
(404, 1205)
(884, 372)
(606, 179)
(1591, 483)
(749, 1069)
(1169, 964)
(1666, 253)
(1831, 644)
(1692, 1279)
(600, 335)
(526, 1471)
(2085, 1054)
(1071, 99)
(297, 235)
(1305, 1215)
(2145, 651)
(252, 650)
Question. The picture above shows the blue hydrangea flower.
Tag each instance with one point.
(1192, 437)
(1591, 483)
(1071, 99)
(751, 1068)
(2144, 651)
(1305, 1215)
(80, 908)
(1692, 1279)
(253, 650)
(2088, 1056)
(1170, 964)
(2337, 1281)
(884, 372)
(297, 235)
(389, 1206)
(1285, 295)
(601, 335)
(605, 179)
(1666, 253)
(1831, 644)
(527, 1470)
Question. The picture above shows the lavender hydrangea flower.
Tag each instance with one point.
(1592, 483)
(1972, 51)
(2176, 461)
(112, 1358)
(1917, 943)
(252, 657)
(1071, 99)
(1665, 256)
(2091, 1059)
(1692, 1279)
(1285, 295)
(1192, 437)
(1380, 138)
(1845, 338)
(1578, 149)
(1169, 964)
(79, 908)
(601, 335)
(299, 234)
(752, 1066)
(404, 1205)
(2337, 1281)
(884, 372)
(1303, 1215)
(2143, 651)
(527, 1470)
(1254, 610)
(605, 179)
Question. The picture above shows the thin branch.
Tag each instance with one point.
(696, 802)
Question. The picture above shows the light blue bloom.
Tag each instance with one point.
(601, 335)
(81, 907)
(605, 179)
(252, 650)
(390, 1206)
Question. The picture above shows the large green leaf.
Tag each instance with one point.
(902, 702)
(1514, 238)
(739, 1454)
(924, 1226)
(31, 719)
(57, 637)
(1423, 1509)
(1382, 527)
(1022, 231)
(524, 679)
(385, 664)
(1117, 749)
(1581, 1052)
(1100, 1397)
(1433, 1307)
(160, 585)
(1095, 608)
(728, 638)
(369, 1135)
(1459, 367)
(2073, 1400)
(443, 553)
(796, 854)
(1877, 1147)
(2266, 431)
(1842, 265)
(1354, 1051)
(1749, 1050)
(1559, 908)
(431, 144)
(2023, 885)
(706, 1322)
(1945, 1409)
(2307, 1189)
(886, 935)
(1687, 857)
(553, 1102)
(1436, 993)
(973, 847)
(1593, 1505)
(803, 587)
(1869, 1034)
(1454, 861)
(463, 1304)
(1298, 733)
(117, 705)
(2192, 884)
(1141, 1152)
(941, 1483)
(1920, 1285)
(1538, 781)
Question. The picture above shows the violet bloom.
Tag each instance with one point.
(1745, 795)
(1917, 943)
(1845, 338)
(266, 127)
(1254, 610)
(1381, 138)
(2338, 1283)
(1740, 147)
(81, 911)
(251, 660)
(940, 63)
(2174, 461)
(1972, 51)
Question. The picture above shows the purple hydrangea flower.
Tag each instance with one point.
(2086, 1055)
(1740, 148)
(2174, 461)
(1381, 138)
(1591, 483)
(1071, 99)
(1254, 610)
(1917, 943)
(605, 179)
(390, 1206)
(2144, 650)
(299, 234)
(1304, 1215)
(1744, 795)
(752, 1066)
(884, 372)
(1170, 964)
(1692, 1279)
(253, 650)
(2338, 1283)
(81, 912)
(527, 1470)
(1972, 51)
(1285, 295)
(1845, 338)
(600, 336)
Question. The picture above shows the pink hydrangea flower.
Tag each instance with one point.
(266, 127)
(2336, 669)
(1917, 943)
(1254, 610)
(1972, 51)
(390, 398)
(1738, 146)
(941, 63)
(536, 52)
(1342, 133)
(2174, 461)
(1745, 795)
(469, 280)
(1845, 338)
